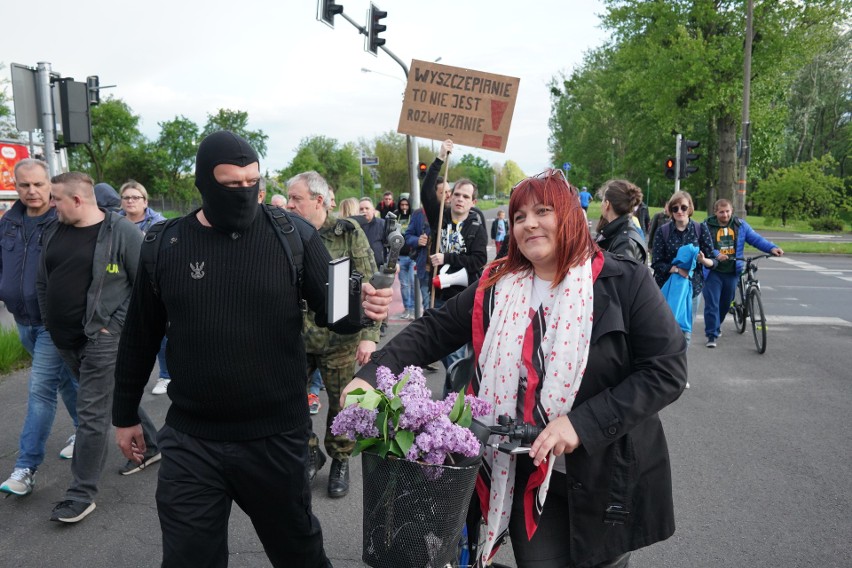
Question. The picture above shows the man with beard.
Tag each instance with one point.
(238, 426)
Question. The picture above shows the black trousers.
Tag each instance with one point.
(200, 479)
(549, 547)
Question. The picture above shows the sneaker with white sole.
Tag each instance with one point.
(161, 387)
(71, 511)
(67, 452)
(132, 467)
(21, 482)
(711, 343)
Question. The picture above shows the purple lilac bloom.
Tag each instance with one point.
(385, 381)
(355, 422)
(478, 407)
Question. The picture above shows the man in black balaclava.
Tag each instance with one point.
(233, 206)
(238, 426)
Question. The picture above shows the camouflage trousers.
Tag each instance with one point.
(335, 378)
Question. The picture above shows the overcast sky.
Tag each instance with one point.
(295, 76)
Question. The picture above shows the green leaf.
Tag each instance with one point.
(382, 424)
(354, 397)
(457, 408)
(364, 444)
(371, 399)
(404, 438)
(395, 403)
(466, 418)
(400, 385)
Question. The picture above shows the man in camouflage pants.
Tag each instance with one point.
(333, 354)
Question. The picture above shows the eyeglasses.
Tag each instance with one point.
(131, 197)
(683, 208)
(549, 173)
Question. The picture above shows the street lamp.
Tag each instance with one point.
(365, 70)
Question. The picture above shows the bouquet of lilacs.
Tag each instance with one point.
(399, 418)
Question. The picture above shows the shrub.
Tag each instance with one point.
(829, 224)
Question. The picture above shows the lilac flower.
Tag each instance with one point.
(478, 407)
(385, 381)
(355, 422)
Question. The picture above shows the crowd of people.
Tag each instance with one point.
(599, 341)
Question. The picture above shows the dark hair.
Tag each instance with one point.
(574, 243)
(465, 181)
(622, 195)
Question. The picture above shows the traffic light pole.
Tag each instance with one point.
(745, 150)
(677, 162)
(411, 141)
(48, 120)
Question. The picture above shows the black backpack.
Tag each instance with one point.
(288, 236)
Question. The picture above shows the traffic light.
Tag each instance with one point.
(670, 167)
(373, 40)
(93, 87)
(326, 10)
(421, 169)
(687, 157)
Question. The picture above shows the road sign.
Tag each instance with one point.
(566, 166)
(369, 161)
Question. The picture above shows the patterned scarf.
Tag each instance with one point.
(553, 340)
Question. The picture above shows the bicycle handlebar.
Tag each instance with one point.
(520, 435)
(751, 259)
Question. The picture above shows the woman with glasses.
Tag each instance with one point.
(668, 240)
(617, 233)
(134, 206)
(581, 343)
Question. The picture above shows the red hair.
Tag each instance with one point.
(574, 243)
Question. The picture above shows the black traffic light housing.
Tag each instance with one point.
(670, 167)
(421, 169)
(373, 40)
(74, 113)
(327, 10)
(687, 157)
(93, 86)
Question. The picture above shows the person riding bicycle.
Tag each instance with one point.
(729, 234)
(579, 342)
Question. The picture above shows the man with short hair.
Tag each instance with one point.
(333, 354)
(22, 228)
(374, 228)
(729, 235)
(230, 293)
(88, 266)
(386, 205)
(278, 200)
(463, 237)
(585, 199)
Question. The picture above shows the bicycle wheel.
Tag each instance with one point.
(738, 309)
(758, 319)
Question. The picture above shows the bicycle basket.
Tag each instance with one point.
(413, 512)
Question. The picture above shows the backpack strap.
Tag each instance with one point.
(153, 241)
(290, 240)
(666, 229)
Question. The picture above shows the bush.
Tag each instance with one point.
(13, 356)
(828, 224)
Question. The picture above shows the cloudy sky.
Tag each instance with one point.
(295, 76)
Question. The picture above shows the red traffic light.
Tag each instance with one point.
(421, 169)
(669, 163)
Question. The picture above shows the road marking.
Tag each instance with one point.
(800, 320)
(813, 268)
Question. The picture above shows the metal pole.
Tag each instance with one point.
(677, 162)
(740, 197)
(48, 121)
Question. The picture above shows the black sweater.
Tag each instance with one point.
(235, 351)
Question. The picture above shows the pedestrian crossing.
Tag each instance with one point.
(841, 274)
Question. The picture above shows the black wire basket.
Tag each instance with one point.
(414, 512)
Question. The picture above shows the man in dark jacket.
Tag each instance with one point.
(22, 228)
(88, 266)
(238, 426)
(386, 205)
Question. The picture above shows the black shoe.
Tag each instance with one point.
(132, 467)
(316, 459)
(71, 511)
(338, 478)
(431, 368)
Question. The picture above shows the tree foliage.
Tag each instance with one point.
(802, 191)
(337, 163)
(115, 131)
(237, 122)
(476, 169)
(510, 174)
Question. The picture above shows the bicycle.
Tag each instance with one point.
(747, 304)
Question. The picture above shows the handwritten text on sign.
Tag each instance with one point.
(471, 107)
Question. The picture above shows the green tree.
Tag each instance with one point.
(802, 191)
(7, 123)
(176, 146)
(476, 169)
(237, 122)
(115, 129)
(337, 164)
(391, 149)
(509, 175)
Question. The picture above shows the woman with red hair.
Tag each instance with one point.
(582, 344)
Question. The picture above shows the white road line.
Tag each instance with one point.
(799, 320)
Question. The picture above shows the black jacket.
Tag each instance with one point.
(622, 237)
(637, 366)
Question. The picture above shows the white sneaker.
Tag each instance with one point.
(68, 451)
(161, 387)
(20, 482)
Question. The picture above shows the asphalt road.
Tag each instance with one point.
(758, 445)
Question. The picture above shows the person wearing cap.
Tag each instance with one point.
(238, 426)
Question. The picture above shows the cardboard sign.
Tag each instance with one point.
(470, 107)
(10, 154)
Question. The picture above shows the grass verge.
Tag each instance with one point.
(13, 356)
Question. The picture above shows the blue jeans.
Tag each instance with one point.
(425, 282)
(161, 360)
(719, 290)
(406, 282)
(47, 376)
(315, 382)
(94, 366)
(696, 300)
